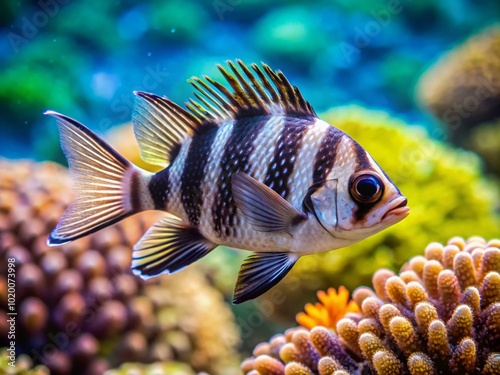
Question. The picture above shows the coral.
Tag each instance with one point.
(80, 310)
(461, 89)
(170, 368)
(332, 307)
(446, 193)
(440, 315)
(22, 365)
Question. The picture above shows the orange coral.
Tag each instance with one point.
(332, 307)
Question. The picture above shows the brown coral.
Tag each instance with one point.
(80, 310)
(462, 88)
(440, 315)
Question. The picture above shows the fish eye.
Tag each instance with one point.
(366, 188)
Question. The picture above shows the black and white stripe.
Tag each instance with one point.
(193, 172)
(159, 188)
(235, 158)
(325, 157)
(280, 168)
(362, 159)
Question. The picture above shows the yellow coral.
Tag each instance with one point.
(332, 307)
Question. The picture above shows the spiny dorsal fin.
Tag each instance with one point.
(257, 93)
(160, 125)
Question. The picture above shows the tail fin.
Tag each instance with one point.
(107, 187)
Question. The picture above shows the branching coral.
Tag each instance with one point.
(440, 315)
(445, 191)
(80, 310)
(462, 88)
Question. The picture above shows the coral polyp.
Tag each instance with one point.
(333, 305)
(439, 315)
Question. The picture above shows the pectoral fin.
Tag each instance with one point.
(167, 247)
(265, 209)
(260, 272)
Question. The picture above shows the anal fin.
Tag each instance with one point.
(167, 247)
(260, 272)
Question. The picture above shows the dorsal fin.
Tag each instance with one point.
(160, 125)
(255, 93)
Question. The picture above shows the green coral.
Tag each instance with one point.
(445, 192)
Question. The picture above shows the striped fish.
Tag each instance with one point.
(250, 168)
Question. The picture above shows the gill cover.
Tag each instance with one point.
(324, 203)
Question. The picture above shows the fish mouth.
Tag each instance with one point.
(398, 209)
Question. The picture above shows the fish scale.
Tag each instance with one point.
(251, 167)
(302, 176)
(235, 158)
(285, 150)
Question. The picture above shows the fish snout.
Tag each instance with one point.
(398, 210)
